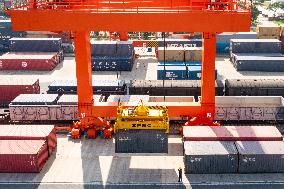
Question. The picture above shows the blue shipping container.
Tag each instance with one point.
(193, 63)
(112, 63)
(35, 44)
(103, 48)
(6, 33)
(112, 48)
(194, 72)
(125, 48)
(222, 48)
(172, 73)
(171, 63)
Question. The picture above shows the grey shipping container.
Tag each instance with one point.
(128, 98)
(73, 99)
(99, 86)
(208, 157)
(171, 87)
(35, 99)
(141, 141)
(261, 156)
(226, 37)
(254, 87)
(255, 62)
(255, 46)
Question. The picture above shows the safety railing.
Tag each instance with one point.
(131, 6)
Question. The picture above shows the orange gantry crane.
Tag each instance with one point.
(83, 16)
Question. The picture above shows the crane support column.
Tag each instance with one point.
(84, 81)
(86, 111)
(83, 70)
(208, 77)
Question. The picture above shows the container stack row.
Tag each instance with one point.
(229, 149)
(257, 55)
(52, 108)
(179, 63)
(232, 87)
(112, 55)
(36, 54)
(26, 148)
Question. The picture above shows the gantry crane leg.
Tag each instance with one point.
(88, 122)
(207, 82)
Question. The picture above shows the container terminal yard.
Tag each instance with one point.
(86, 102)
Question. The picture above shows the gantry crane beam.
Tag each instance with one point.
(83, 16)
(195, 21)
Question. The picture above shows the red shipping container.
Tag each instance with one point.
(22, 156)
(41, 61)
(231, 133)
(30, 132)
(11, 88)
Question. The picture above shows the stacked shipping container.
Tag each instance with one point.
(223, 40)
(236, 152)
(22, 156)
(180, 63)
(39, 54)
(11, 88)
(25, 148)
(257, 55)
(112, 55)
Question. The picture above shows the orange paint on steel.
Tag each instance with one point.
(208, 76)
(193, 21)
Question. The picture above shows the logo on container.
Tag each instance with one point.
(24, 64)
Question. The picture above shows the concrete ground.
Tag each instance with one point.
(93, 164)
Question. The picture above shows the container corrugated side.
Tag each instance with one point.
(172, 73)
(141, 141)
(35, 44)
(11, 88)
(261, 156)
(29, 61)
(99, 86)
(30, 132)
(255, 46)
(207, 157)
(22, 156)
